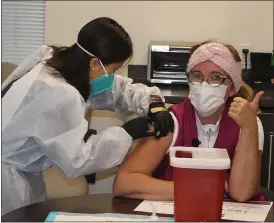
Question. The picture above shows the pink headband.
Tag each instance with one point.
(222, 57)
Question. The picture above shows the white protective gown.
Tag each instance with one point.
(43, 124)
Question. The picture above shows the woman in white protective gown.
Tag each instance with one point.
(43, 111)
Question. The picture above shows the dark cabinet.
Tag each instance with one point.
(267, 170)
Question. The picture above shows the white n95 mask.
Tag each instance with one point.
(206, 99)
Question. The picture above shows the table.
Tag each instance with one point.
(100, 203)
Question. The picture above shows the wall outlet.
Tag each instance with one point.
(249, 47)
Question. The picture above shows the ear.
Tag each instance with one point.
(93, 63)
(231, 91)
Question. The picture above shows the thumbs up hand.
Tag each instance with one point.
(243, 112)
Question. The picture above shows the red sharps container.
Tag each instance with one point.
(199, 182)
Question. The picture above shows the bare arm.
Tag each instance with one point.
(134, 178)
(246, 165)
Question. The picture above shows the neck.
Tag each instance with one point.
(212, 119)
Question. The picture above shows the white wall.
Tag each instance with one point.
(243, 22)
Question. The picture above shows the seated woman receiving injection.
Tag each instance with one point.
(220, 112)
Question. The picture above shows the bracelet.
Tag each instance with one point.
(157, 109)
(155, 98)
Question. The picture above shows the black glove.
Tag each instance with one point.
(138, 128)
(161, 119)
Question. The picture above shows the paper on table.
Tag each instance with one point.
(77, 218)
(245, 211)
(109, 217)
(231, 210)
(163, 207)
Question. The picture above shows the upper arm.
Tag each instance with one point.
(147, 155)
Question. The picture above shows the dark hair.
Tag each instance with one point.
(104, 38)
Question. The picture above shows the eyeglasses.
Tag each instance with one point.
(215, 79)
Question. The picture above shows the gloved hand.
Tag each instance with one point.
(161, 119)
(138, 128)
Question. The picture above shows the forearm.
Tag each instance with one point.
(133, 98)
(245, 172)
(141, 186)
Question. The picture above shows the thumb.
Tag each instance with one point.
(257, 98)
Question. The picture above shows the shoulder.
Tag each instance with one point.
(178, 109)
(58, 86)
(55, 91)
(174, 108)
(61, 104)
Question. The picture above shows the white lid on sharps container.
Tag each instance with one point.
(202, 158)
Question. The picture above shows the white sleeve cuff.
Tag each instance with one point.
(176, 131)
(260, 134)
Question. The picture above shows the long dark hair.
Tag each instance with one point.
(104, 38)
